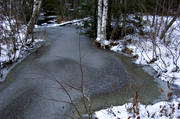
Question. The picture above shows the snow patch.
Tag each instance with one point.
(13, 50)
(167, 62)
(106, 42)
(77, 22)
(160, 110)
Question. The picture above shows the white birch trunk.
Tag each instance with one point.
(99, 25)
(104, 22)
(30, 25)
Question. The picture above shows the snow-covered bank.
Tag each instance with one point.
(7, 67)
(163, 55)
(160, 110)
(13, 48)
(78, 22)
(144, 48)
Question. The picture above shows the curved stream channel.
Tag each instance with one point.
(31, 92)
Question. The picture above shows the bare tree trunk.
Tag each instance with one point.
(75, 4)
(95, 18)
(123, 32)
(167, 27)
(99, 25)
(104, 21)
(31, 23)
(114, 33)
(163, 33)
(109, 28)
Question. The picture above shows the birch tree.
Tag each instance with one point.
(99, 25)
(102, 22)
(31, 23)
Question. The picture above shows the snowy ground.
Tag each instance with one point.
(13, 49)
(160, 110)
(167, 64)
(78, 22)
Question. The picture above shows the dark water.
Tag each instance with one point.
(44, 19)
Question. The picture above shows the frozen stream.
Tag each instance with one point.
(111, 78)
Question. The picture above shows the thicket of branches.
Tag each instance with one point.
(14, 19)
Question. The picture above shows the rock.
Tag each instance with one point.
(135, 56)
(127, 50)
